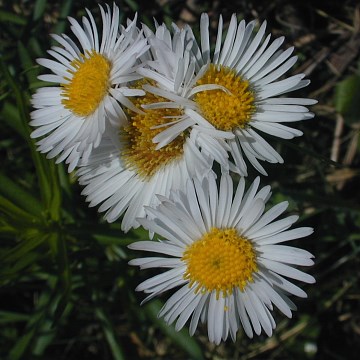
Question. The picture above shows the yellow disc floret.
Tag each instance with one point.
(225, 110)
(139, 152)
(88, 85)
(219, 261)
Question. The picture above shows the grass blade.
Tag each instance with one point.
(181, 338)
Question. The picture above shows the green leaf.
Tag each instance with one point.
(47, 331)
(347, 98)
(132, 5)
(109, 333)
(6, 16)
(53, 197)
(10, 114)
(27, 63)
(64, 280)
(45, 169)
(20, 197)
(11, 317)
(39, 9)
(21, 250)
(38, 322)
(13, 215)
(21, 345)
(13, 272)
(105, 235)
(65, 10)
(181, 338)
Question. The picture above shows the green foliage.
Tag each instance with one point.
(347, 98)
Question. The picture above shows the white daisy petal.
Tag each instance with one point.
(258, 65)
(275, 227)
(204, 299)
(269, 216)
(188, 311)
(175, 304)
(277, 130)
(286, 236)
(251, 311)
(252, 47)
(215, 318)
(232, 277)
(230, 95)
(261, 312)
(244, 318)
(154, 262)
(205, 43)
(287, 254)
(87, 79)
(286, 270)
(127, 172)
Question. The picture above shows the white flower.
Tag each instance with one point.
(224, 252)
(127, 170)
(93, 80)
(229, 96)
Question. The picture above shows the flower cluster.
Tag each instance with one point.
(143, 116)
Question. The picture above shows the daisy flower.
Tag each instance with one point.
(127, 170)
(224, 251)
(123, 176)
(233, 94)
(92, 73)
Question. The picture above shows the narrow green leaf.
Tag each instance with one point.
(13, 272)
(65, 10)
(53, 196)
(22, 344)
(181, 338)
(32, 327)
(21, 250)
(4, 95)
(103, 234)
(6, 16)
(10, 114)
(39, 9)
(47, 331)
(44, 167)
(36, 47)
(64, 281)
(12, 317)
(110, 335)
(132, 5)
(111, 238)
(64, 180)
(8, 230)
(19, 196)
(13, 215)
(27, 63)
(347, 98)
(39, 84)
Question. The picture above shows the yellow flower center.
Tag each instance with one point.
(220, 261)
(225, 110)
(139, 151)
(88, 85)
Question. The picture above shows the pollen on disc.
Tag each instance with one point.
(226, 110)
(220, 260)
(139, 151)
(88, 85)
